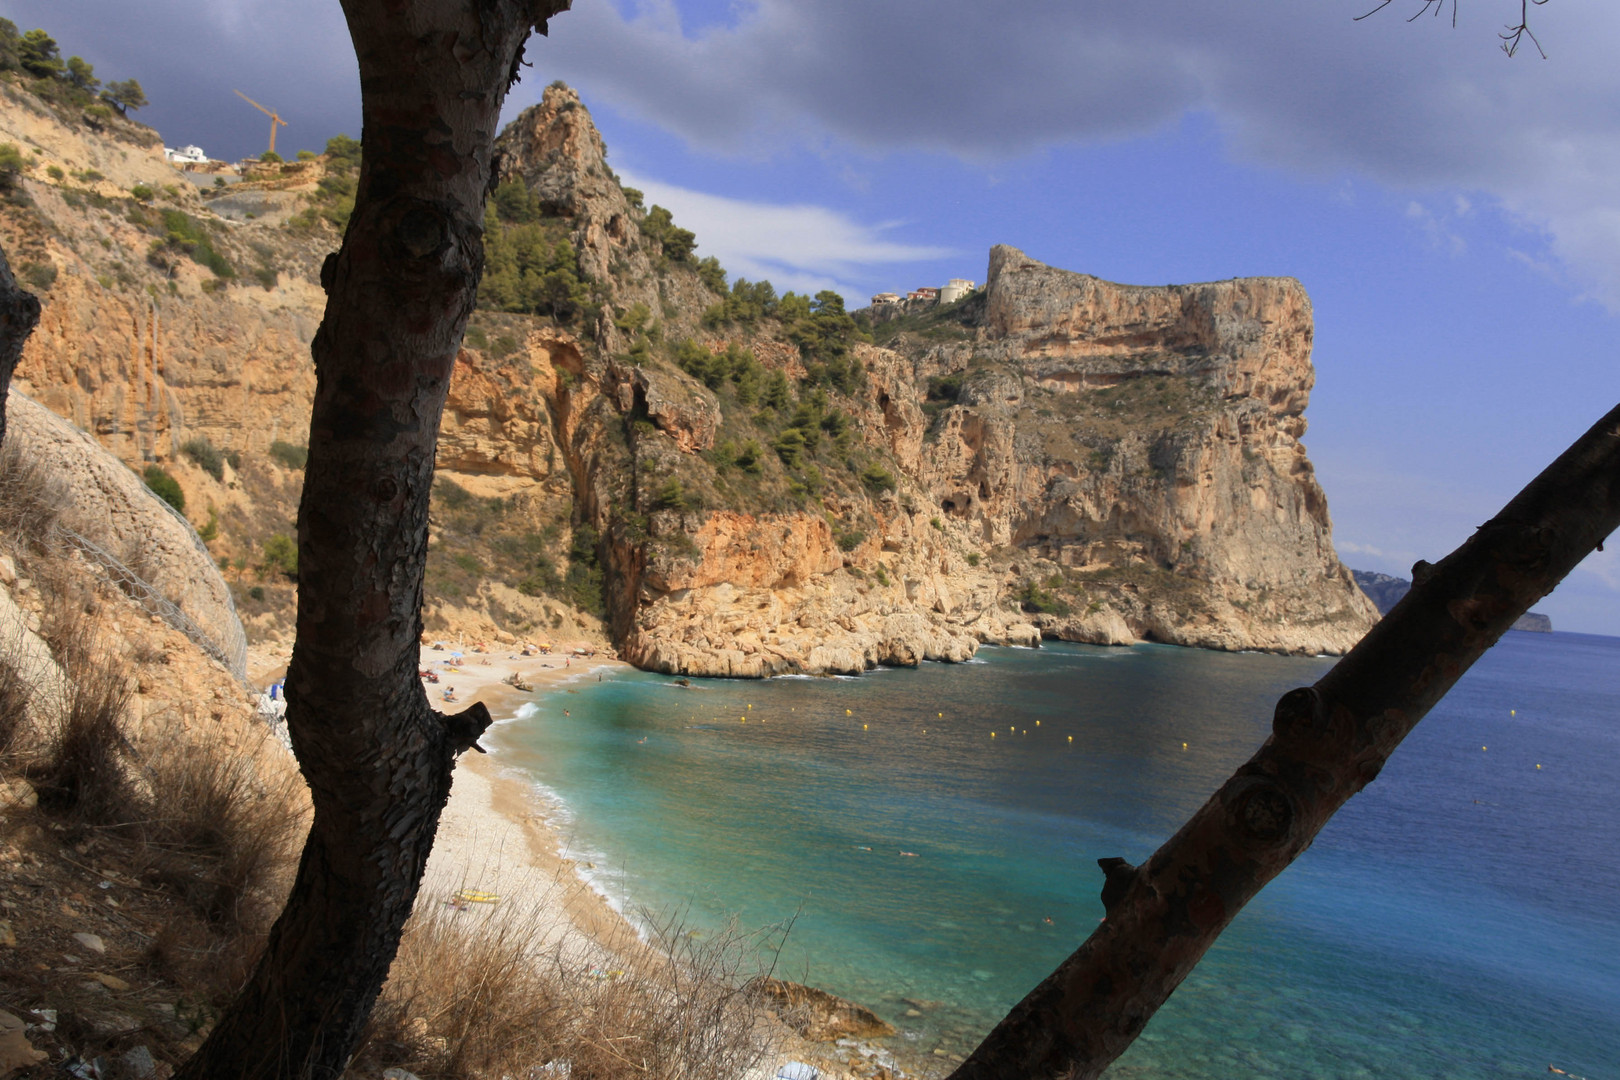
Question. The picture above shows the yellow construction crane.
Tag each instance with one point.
(274, 119)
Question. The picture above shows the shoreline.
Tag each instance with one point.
(495, 838)
(492, 837)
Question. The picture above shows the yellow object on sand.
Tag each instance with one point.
(473, 896)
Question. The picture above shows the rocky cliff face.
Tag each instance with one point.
(732, 492)
(1145, 441)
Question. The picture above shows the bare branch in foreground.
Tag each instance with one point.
(1328, 741)
(1513, 35)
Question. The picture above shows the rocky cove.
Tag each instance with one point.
(714, 481)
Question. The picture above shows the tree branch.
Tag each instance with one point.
(1512, 37)
(1328, 741)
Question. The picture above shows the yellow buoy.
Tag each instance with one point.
(1071, 738)
(750, 708)
(1484, 748)
(865, 726)
(940, 715)
(1184, 746)
(1538, 766)
(848, 713)
(992, 734)
(1513, 712)
(1037, 723)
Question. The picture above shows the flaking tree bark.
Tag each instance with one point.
(378, 759)
(1328, 741)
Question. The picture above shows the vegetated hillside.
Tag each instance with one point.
(733, 482)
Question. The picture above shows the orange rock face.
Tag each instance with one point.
(1055, 455)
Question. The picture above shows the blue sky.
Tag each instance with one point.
(1453, 213)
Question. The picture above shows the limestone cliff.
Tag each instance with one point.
(731, 482)
(1146, 442)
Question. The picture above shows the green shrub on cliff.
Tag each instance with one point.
(746, 304)
(165, 486)
(674, 243)
(184, 233)
(673, 495)
(206, 456)
(877, 479)
(583, 585)
(293, 457)
(1035, 599)
(12, 164)
(712, 274)
(280, 556)
(531, 267)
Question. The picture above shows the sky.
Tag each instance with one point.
(1452, 212)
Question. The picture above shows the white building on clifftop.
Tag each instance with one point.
(186, 155)
(954, 290)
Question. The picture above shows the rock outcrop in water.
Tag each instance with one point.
(733, 489)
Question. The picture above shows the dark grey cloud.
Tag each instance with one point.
(293, 56)
(1294, 85)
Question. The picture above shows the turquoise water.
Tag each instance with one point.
(1459, 919)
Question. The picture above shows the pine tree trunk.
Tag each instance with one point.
(1328, 741)
(378, 759)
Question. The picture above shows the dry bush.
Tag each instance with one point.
(475, 994)
(81, 773)
(31, 500)
(214, 834)
(68, 622)
(683, 1010)
(16, 694)
(465, 998)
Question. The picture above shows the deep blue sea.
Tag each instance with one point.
(1458, 919)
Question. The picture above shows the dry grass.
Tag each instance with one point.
(189, 823)
(16, 694)
(31, 499)
(82, 774)
(476, 994)
(215, 835)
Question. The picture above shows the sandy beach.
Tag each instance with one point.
(492, 839)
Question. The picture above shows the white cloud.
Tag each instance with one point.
(1440, 237)
(1423, 108)
(802, 247)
